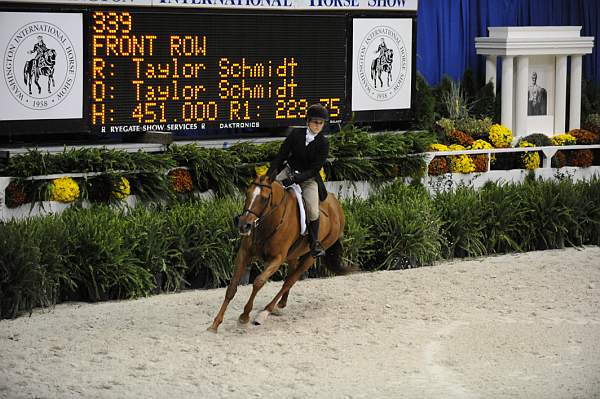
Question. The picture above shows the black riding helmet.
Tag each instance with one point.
(317, 111)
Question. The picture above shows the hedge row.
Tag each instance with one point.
(104, 253)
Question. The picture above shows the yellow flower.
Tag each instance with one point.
(64, 189)
(461, 164)
(261, 170)
(500, 136)
(122, 190)
(322, 173)
(531, 160)
(456, 147)
(481, 145)
(563, 139)
(438, 147)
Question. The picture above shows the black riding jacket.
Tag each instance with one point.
(305, 160)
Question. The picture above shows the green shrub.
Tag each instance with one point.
(150, 239)
(461, 213)
(424, 102)
(476, 128)
(538, 139)
(31, 265)
(204, 235)
(99, 260)
(550, 215)
(358, 242)
(592, 123)
(503, 216)
(406, 227)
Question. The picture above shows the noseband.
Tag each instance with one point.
(256, 221)
(264, 213)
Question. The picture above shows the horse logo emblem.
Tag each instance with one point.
(40, 65)
(382, 63)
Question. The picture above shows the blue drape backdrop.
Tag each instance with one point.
(446, 31)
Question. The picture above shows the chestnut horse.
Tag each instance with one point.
(270, 230)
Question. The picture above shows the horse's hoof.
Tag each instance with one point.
(261, 318)
(244, 319)
(212, 329)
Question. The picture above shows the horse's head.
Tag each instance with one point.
(50, 56)
(389, 53)
(258, 199)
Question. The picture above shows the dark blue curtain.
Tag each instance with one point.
(446, 31)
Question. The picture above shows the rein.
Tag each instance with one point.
(265, 213)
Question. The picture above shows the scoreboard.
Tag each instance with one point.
(203, 71)
(202, 67)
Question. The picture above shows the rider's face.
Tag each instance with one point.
(316, 125)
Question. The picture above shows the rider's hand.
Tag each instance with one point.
(287, 182)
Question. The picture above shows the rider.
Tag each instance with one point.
(39, 48)
(382, 48)
(306, 151)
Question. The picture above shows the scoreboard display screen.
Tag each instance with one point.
(188, 71)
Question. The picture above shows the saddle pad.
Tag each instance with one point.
(298, 191)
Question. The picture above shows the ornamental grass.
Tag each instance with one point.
(103, 252)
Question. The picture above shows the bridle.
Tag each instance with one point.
(267, 210)
(257, 221)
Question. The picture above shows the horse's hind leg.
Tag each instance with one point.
(241, 262)
(272, 266)
(292, 265)
(305, 263)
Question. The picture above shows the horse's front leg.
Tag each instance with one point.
(37, 84)
(272, 265)
(241, 262)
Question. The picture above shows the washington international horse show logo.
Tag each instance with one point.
(40, 65)
(382, 63)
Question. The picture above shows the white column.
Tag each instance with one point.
(521, 96)
(507, 91)
(490, 70)
(560, 94)
(575, 99)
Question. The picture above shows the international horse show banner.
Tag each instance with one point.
(381, 64)
(402, 5)
(42, 59)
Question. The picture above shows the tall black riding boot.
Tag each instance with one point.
(316, 249)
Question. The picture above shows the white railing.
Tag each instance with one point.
(548, 152)
(345, 189)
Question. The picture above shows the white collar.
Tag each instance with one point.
(310, 136)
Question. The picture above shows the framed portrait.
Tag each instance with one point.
(540, 94)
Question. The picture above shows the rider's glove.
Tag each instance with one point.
(287, 181)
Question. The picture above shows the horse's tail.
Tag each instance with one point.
(333, 260)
